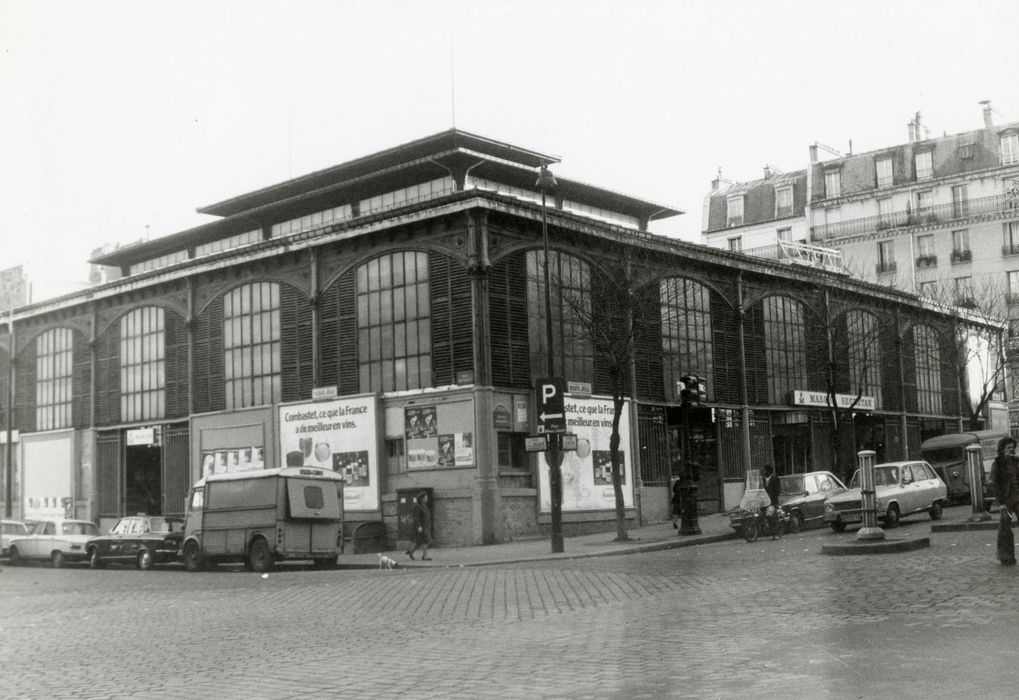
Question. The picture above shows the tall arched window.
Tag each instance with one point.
(785, 347)
(864, 348)
(53, 383)
(394, 337)
(686, 333)
(927, 355)
(251, 345)
(143, 364)
(571, 316)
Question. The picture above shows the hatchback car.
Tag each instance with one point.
(902, 488)
(145, 540)
(60, 541)
(803, 496)
(9, 529)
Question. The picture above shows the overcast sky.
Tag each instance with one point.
(118, 116)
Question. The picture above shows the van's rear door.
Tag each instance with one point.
(313, 498)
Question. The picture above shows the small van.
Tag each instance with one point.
(947, 454)
(264, 516)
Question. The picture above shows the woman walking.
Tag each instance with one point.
(422, 527)
(1005, 477)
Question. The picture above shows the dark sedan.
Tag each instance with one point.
(145, 540)
(803, 495)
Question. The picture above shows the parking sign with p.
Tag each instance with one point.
(551, 416)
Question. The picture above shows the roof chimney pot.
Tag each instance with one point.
(988, 118)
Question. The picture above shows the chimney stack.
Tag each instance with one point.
(911, 128)
(813, 153)
(767, 171)
(988, 119)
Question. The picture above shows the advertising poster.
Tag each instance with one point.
(339, 435)
(587, 472)
(447, 455)
(464, 449)
(421, 422)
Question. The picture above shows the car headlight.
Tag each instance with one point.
(829, 508)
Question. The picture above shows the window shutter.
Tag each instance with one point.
(909, 370)
(24, 389)
(647, 355)
(507, 294)
(208, 365)
(891, 398)
(606, 314)
(328, 336)
(176, 368)
(441, 301)
(724, 340)
(109, 480)
(346, 334)
(81, 382)
(297, 373)
(4, 387)
(756, 356)
(949, 374)
(108, 376)
(462, 319)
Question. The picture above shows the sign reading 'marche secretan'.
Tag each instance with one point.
(801, 397)
(338, 435)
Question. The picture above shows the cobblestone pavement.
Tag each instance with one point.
(729, 619)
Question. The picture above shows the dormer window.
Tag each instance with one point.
(783, 202)
(1009, 149)
(832, 183)
(734, 209)
(883, 171)
(924, 165)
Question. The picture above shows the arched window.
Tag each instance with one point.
(785, 347)
(394, 338)
(864, 349)
(686, 333)
(251, 345)
(927, 355)
(571, 315)
(53, 384)
(143, 364)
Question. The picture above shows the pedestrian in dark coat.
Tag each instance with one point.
(422, 525)
(1005, 477)
(772, 487)
(677, 503)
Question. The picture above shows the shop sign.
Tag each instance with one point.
(579, 388)
(801, 397)
(536, 443)
(323, 392)
(501, 418)
(141, 436)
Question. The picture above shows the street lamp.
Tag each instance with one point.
(553, 450)
(691, 396)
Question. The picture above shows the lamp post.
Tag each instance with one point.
(553, 450)
(690, 396)
(9, 447)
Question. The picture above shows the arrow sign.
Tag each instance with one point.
(551, 415)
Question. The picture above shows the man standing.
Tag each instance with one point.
(1005, 477)
(773, 487)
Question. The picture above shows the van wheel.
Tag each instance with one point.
(145, 560)
(259, 556)
(936, 511)
(192, 556)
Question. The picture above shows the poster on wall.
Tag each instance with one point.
(463, 445)
(339, 435)
(587, 471)
(421, 422)
(235, 459)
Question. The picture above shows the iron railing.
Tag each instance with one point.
(798, 253)
(996, 206)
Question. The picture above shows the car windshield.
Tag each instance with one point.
(792, 484)
(79, 529)
(122, 527)
(883, 476)
(161, 525)
(14, 529)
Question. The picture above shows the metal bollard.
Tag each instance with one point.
(870, 529)
(976, 484)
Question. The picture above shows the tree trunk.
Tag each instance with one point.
(617, 485)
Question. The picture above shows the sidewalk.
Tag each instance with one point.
(650, 538)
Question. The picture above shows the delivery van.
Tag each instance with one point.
(947, 454)
(264, 516)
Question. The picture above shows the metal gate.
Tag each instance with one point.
(653, 435)
(176, 477)
(109, 474)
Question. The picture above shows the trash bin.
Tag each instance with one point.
(405, 512)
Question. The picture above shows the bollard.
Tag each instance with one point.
(870, 529)
(976, 484)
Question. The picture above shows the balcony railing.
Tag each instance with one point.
(886, 267)
(962, 256)
(925, 261)
(1010, 249)
(800, 254)
(997, 206)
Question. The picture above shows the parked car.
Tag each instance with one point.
(902, 488)
(9, 529)
(146, 540)
(60, 541)
(803, 495)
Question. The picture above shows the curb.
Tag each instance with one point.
(963, 527)
(876, 547)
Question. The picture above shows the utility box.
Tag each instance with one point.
(405, 512)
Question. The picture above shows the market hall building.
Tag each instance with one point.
(385, 318)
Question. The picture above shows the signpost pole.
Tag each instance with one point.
(9, 452)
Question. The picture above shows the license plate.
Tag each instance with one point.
(852, 517)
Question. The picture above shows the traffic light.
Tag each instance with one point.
(694, 389)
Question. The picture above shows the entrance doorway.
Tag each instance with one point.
(143, 481)
(791, 448)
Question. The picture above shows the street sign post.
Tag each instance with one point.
(551, 413)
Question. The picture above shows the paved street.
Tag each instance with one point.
(716, 620)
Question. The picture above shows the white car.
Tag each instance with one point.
(9, 529)
(902, 488)
(59, 541)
